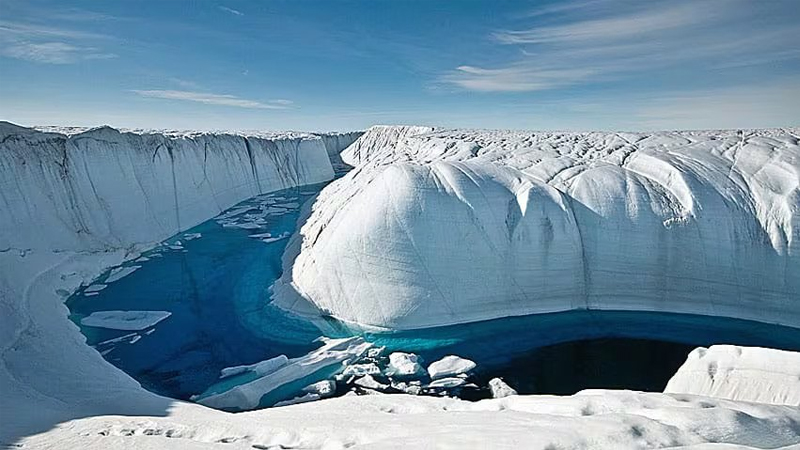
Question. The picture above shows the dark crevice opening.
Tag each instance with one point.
(605, 363)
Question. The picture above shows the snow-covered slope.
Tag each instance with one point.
(596, 420)
(740, 373)
(436, 227)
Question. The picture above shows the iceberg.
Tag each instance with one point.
(437, 227)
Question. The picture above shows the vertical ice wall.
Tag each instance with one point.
(103, 188)
(435, 227)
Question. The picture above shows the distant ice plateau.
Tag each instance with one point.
(431, 227)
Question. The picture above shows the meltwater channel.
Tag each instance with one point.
(214, 280)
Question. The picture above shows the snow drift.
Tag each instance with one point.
(740, 373)
(436, 227)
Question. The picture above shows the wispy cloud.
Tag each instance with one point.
(231, 10)
(515, 78)
(214, 99)
(648, 22)
(620, 39)
(49, 44)
(52, 52)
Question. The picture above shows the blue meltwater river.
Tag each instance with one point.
(215, 278)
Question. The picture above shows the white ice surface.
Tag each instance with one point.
(740, 373)
(449, 366)
(500, 389)
(64, 395)
(260, 368)
(436, 227)
(247, 396)
(124, 320)
(404, 365)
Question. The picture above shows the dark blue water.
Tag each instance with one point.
(217, 289)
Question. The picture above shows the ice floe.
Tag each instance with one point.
(124, 320)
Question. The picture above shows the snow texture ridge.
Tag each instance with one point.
(436, 227)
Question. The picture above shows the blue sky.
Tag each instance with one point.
(323, 65)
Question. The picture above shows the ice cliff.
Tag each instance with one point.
(435, 227)
(74, 202)
(95, 189)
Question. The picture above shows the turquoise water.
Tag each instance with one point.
(217, 289)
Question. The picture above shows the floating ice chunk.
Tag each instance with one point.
(175, 247)
(260, 235)
(367, 381)
(275, 211)
(449, 366)
(121, 272)
(192, 236)
(124, 320)
(375, 352)
(404, 365)
(95, 288)
(262, 368)
(325, 388)
(117, 339)
(90, 294)
(412, 387)
(244, 226)
(291, 205)
(142, 259)
(276, 238)
(500, 389)
(362, 369)
(136, 339)
(248, 395)
(446, 383)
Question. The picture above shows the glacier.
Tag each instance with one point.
(57, 234)
(436, 227)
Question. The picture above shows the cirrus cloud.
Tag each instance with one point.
(213, 99)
